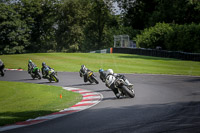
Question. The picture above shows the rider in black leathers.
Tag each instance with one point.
(31, 65)
(45, 70)
(104, 74)
(83, 72)
(2, 66)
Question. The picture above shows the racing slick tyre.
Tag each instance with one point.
(95, 80)
(128, 92)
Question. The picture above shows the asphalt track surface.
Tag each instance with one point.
(163, 103)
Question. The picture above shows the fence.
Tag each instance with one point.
(159, 53)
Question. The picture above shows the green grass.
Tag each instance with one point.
(120, 63)
(22, 101)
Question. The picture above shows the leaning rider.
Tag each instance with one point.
(1, 66)
(45, 70)
(83, 72)
(31, 66)
(103, 76)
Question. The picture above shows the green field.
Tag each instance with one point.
(22, 101)
(120, 63)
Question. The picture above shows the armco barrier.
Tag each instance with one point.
(159, 53)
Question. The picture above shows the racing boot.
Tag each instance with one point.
(128, 83)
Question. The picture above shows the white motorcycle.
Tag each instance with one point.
(119, 83)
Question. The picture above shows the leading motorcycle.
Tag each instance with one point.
(120, 84)
(2, 71)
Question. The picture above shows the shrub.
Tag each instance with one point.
(171, 37)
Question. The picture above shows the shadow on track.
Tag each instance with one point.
(181, 117)
(5, 117)
(103, 90)
(27, 79)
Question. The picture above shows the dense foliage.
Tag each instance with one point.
(172, 37)
(83, 25)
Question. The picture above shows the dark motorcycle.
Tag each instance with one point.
(91, 77)
(2, 71)
(121, 85)
(35, 73)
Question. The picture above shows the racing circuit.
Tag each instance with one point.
(163, 103)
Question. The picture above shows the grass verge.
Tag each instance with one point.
(22, 101)
(120, 63)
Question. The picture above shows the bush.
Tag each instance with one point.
(154, 36)
(171, 37)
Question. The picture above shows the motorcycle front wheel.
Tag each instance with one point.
(2, 74)
(128, 92)
(55, 78)
(38, 75)
(95, 80)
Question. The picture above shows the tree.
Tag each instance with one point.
(140, 14)
(97, 31)
(72, 18)
(13, 37)
(39, 15)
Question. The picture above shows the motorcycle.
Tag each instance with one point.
(121, 85)
(91, 78)
(35, 73)
(89, 75)
(2, 71)
(52, 75)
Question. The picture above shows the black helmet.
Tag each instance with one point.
(43, 64)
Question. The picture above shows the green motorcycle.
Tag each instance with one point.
(35, 73)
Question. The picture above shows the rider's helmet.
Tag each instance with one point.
(30, 61)
(83, 67)
(101, 70)
(110, 71)
(43, 64)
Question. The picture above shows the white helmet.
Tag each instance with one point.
(110, 71)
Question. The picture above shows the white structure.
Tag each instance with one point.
(121, 41)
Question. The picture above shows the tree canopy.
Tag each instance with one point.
(84, 25)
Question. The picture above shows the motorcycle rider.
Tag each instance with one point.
(2, 66)
(45, 70)
(31, 65)
(83, 72)
(103, 76)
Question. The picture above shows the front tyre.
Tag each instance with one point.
(2, 74)
(33, 77)
(128, 92)
(55, 78)
(95, 80)
(38, 75)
